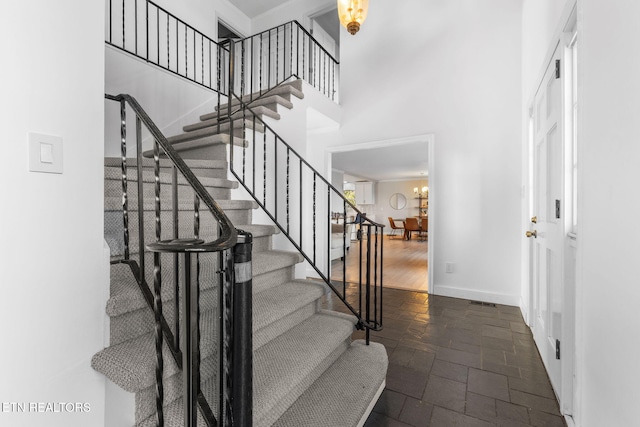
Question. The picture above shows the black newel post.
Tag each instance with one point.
(242, 332)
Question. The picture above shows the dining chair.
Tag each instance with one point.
(424, 228)
(394, 228)
(410, 225)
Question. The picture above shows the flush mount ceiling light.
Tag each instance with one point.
(352, 13)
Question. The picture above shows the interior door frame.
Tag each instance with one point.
(429, 140)
(561, 42)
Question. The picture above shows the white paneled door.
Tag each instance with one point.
(547, 225)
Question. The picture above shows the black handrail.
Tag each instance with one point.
(234, 249)
(229, 234)
(166, 41)
(271, 144)
(152, 33)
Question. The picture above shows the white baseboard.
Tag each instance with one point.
(472, 294)
(372, 404)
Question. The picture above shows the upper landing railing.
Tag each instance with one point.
(265, 60)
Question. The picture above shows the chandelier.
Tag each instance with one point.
(352, 13)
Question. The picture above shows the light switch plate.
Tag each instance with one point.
(45, 153)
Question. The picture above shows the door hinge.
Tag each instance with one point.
(557, 209)
(557, 68)
(558, 349)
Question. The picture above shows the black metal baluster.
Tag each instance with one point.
(186, 49)
(277, 54)
(202, 59)
(210, 66)
(177, 46)
(244, 146)
(140, 198)
(328, 232)
(252, 72)
(110, 22)
(290, 48)
(381, 277)
(135, 4)
(125, 195)
(368, 288)
(301, 203)
(314, 217)
(344, 245)
(260, 67)
(147, 29)
(375, 279)
(288, 168)
(194, 56)
(264, 169)
(168, 47)
(242, 74)
(298, 52)
(124, 25)
(190, 351)
(219, 72)
(158, 37)
(226, 318)
(275, 174)
(269, 63)
(157, 287)
(176, 258)
(253, 161)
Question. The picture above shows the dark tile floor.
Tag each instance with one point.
(456, 363)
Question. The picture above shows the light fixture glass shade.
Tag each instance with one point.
(415, 190)
(352, 13)
(425, 189)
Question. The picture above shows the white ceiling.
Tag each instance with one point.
(253, 8)
(406, 161)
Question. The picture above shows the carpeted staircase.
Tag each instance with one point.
(307, 370)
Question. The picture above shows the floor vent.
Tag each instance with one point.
(486, 304)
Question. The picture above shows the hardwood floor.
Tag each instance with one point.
(405, 264)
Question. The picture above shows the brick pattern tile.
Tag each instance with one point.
(454, 363)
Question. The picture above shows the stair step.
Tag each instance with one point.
(200, 168)
(259, 110)
(114, 203)
(344, 394)
(283, 91)
(131, 364)
(225, 127)
(209, 147)
(126, 295)
(285, 367)
(148, 176)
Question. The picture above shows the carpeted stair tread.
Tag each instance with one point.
(284, 91)
(267, 261)
(285, 366)
(259, 110)
(114, 203)
(207, 141)
(126, 295)
(270, 101)
(148, 176)
(342, 395)
(131, 364)
(194, 164)
(213, 130)
(277, 302)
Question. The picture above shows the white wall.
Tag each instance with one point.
(53, 289)
(608, 236)
(454, 71)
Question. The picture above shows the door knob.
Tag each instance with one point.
(533, 234)
(534, 219)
